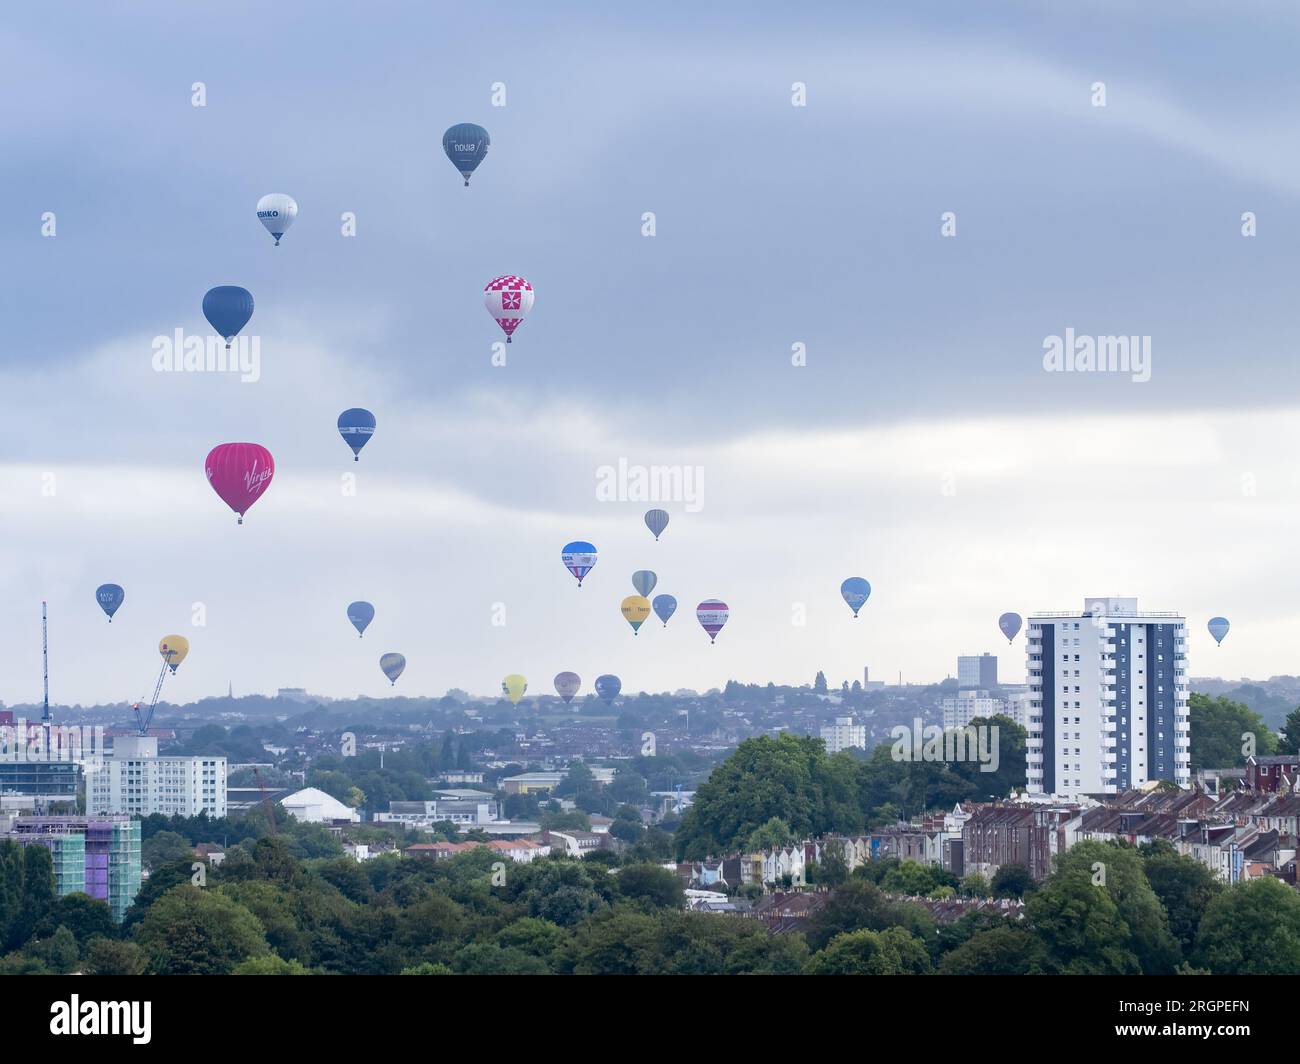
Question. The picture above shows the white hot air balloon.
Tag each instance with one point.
(277, 211)
(508, 299)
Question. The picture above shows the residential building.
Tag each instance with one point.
(977, 671)
(136, 781)
(844, 734)
(1108, 699)
(963, 707)
(99, 856)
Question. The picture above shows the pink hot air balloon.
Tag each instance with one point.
(508, 299)
(712, 615)
(239, 473)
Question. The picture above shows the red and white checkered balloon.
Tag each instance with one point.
(508, 299)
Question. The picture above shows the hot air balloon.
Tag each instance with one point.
(513, 687)
(508, 299)
(228, 308)
(1218, 627)
(656, 521)
(644, 581)
(393, 666)
(567, 685)
(636, 608)
(1010, 624)
(855, 592)
(578, 558)
(277, 211)
(360, 614)
(356, 426)
(109, 597)
(466, 146)
(239, 473)
(173, 649)
(664, 606)
(712, 615)
(608, 687)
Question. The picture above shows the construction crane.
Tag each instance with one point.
(145, 718)
(266, 799)
(45, 661)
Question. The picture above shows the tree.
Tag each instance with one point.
(269, 964)
(976, 885)
(1217, 729)
(1185, 888)
(1080, 928)
(1289, 743)
(84, 916)
(1252, 928)
(860, 905)
(999, 951)
(657, 887)
(819, 684)
(105, 956)
(890, 952)
(164, 848)
(58, 953)
(1011, 881)
(770, 836)
(190, 931)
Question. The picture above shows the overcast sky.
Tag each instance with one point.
(922, 446)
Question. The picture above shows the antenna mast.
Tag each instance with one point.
(45, 661)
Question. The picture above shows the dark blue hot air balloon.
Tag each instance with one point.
(1218, 627)
(466, 146)
(608, 687)
(855, 592)
(228, 308)
(109, 597)
(356, 426)
(664, 606)
(360, 614)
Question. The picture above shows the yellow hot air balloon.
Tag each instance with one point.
(173, 649)
(636, 608)
(513, 687)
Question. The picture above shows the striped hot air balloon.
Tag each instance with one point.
(712, 615)
(656, 521)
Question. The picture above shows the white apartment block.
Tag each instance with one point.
(137, 781)
(960, 709)
(844, 734)
(1108, 699)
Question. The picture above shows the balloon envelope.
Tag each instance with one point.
(636, 608)
(656, 521)
(664, 606)
(228, 308)
(239, 473)
(276, 212)
(1218, 627)
(567, 685)
(356, 426)
(578, 557)
(508, 299)
(644, 581)
(513, 687)
(109, 597)
(608, 687)
(360, 614)
(1010, 624)
(855, 591)
(393, 665)
(173, 649)
(712, 615)
(466, 146)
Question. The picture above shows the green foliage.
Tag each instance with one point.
(890, 952)
(1003, 950)
(1011, 881)
(1251, 928)
(1217, 726)
(189, 931)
